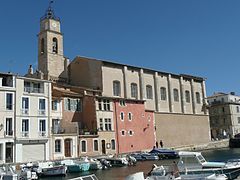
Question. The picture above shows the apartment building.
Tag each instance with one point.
(224, 113)
(33, 109)
(7, 117)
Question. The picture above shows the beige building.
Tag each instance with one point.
(33, 97)
(178, 100)
(7, 117)
(224, 113)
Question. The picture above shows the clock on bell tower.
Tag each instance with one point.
(51, 60)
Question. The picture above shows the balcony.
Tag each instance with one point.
(42, 112)
(25, 134)
(8, 133)
(25, 111)
(58, 130)
(64, 130)
(33, 90)
(42, 133)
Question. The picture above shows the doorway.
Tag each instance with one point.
(68, 147)
(9, 152)
(103, 147)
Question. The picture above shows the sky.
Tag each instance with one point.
(195, 37)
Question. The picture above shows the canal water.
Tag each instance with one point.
(121, 172)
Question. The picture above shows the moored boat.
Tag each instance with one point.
(164, 153)
(51, 169)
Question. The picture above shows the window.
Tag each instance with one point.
(113, 144)
(198, 98)
(123, 133)
(101, 124)
(9, 101)
(42, 106)
(134, 90)
(99, 104)
(163, 93)
(25, 127)
(42, 127)
(84, 146)
(129, 116)
(27, 86)
(116, 88)
(108, 124)
(55, 45)
(9, 130)
(95, 145)
(122, 103)
(238, 120)
(72, 104)
(42, 45)
(106, 105)
(122, 116)
(237, 109)
(130, 133)
(25, 105)
(55, 105)
(175, 95)
(57, 146)
(149, 92)
(187, 96)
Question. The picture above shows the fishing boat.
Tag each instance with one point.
(88, 177)
(164, 153)
(51, 169)
(115, 161)
(7, 173)
(74, 166)
(194, 162)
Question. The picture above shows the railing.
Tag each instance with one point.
(42, 133)
(33, 90)
(25, 111)
(58, 130)
(64, 130)
(42, 112)
(8, 133)
(25, 134)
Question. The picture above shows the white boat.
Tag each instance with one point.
(51, 169)
(194, 162)
(7, 173)
(28, 171)
(88, 177)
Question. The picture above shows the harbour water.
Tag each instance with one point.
(145, 166)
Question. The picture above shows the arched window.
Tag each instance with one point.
(84, 146)
(149, 92)
(42, 45)
(198, 97)
(134, 90)
(187, 96)
(55, 45)
(116, 88)
(175, 95)
(113, 144)
(95, 145)
(58, 146)
(163, 93)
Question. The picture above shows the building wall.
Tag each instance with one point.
(141, 125)
(180, 130)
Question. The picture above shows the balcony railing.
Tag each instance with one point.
(33, 90)
(42, 133)
(25, 111)
(42, 112)
(25, 134)
(58, 130)
(8, 133)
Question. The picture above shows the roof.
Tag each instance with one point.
(146, 69)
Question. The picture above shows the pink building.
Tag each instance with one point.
(134, 126)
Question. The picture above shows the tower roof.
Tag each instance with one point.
(49, 14)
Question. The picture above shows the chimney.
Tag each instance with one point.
(30, 70)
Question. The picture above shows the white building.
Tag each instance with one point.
(224, 113)
(33, 109)
(7, 112)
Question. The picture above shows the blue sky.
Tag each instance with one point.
(197, 37)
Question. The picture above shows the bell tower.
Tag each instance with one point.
(51, 60)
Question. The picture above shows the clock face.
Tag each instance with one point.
(54, 24)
